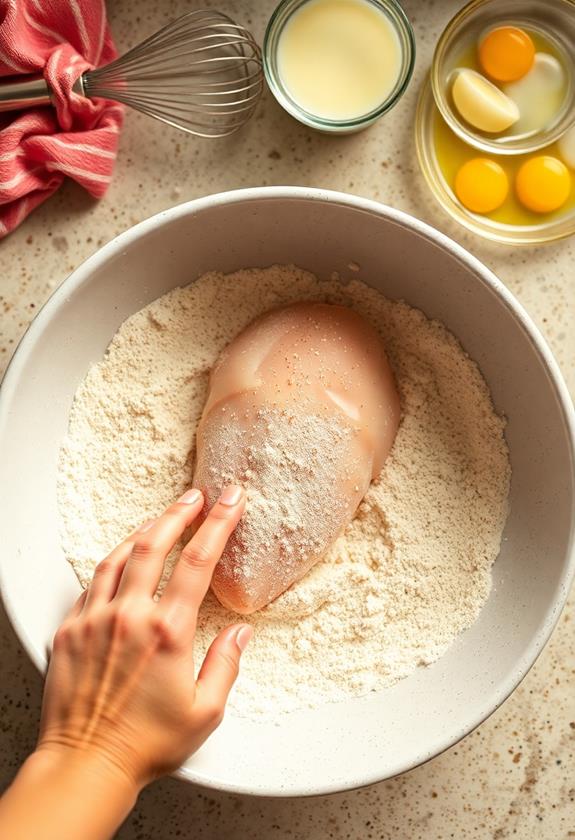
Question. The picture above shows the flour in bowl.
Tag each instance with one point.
(411, 571)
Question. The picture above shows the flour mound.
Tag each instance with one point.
(411, 571)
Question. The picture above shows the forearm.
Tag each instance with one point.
(74, 796)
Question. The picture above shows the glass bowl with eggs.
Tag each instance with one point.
(495, 126)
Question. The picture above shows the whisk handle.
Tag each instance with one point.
(25, 92)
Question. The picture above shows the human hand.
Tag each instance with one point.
(120, 685)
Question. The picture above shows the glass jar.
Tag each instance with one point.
(394, 14)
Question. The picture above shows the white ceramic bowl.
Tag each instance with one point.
(363, 740)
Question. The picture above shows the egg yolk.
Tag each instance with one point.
(506, 53)
(481, 185)
(543, 184)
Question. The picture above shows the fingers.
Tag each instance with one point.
(154, 541)
(220, 669)
(107, 574)
(77, 607)
(191, 578)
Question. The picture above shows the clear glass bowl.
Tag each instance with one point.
(278, 20)
(556, 18)
(557, 226)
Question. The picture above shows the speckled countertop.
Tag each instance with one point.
(515, 775)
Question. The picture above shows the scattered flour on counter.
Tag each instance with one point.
(410, 572)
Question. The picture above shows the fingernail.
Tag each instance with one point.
(190, 497)
(243, 636)
(146, 526)
(231, 495)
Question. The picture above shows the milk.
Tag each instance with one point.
(339, 59)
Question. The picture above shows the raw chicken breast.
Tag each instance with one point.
(302, 411)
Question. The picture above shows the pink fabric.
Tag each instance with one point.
(78, 137)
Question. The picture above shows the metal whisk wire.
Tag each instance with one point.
(201, 73)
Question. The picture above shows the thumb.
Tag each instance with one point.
(221, 667)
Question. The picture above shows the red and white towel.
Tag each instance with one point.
(78, 137)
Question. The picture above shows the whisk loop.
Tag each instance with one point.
(201, 73)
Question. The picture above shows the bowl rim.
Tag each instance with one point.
(82, 274)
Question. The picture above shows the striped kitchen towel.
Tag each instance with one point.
(77, 137)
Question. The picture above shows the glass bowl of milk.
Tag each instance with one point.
(338, 65)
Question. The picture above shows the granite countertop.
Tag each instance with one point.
(512, 777)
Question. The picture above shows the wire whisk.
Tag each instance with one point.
(202, 73)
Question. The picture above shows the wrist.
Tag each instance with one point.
(75, 793)
(83, 766)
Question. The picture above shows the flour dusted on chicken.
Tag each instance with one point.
(291, 464)
(302, 410)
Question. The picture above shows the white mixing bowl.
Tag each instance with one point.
(359, 741)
